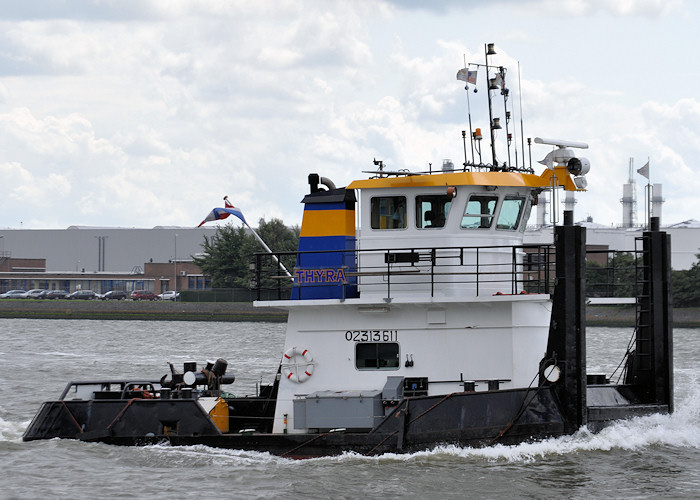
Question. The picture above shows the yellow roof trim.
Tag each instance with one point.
(452, 179)
(563, 178)
(509, 179)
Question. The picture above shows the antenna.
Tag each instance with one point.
(495, 83)
(464, 142)
(515, 141)
(522, 134)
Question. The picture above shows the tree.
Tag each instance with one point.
(616, 279)
(225, 257)
(686, 286)
(229, 253)
(279, 238)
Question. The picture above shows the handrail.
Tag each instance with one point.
(525, 268)
(104, 384)
(485, 269)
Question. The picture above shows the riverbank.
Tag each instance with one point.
(143, 310)
(623, 316)
(687, 317)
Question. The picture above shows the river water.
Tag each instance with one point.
(646, 457)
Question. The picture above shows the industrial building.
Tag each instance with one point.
(160, 258)
(102, 259)
(685, 239)
(685, 235)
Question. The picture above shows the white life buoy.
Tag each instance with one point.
(297, 364)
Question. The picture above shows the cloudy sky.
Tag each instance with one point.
(139, 113)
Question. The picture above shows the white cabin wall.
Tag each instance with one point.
(529, 321)
(451, 235)
(488, 339)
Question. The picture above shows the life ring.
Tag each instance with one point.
(297, 364)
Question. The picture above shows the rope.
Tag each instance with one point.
(445, 398)
(72, 417)
(388, 435)
(521, 410)
(380, 443)
(121, 413)
(523, 405)
(519, 414)
(304, 444)
(433, 407)
(627, 354)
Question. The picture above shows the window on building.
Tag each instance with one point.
(479, 211)
(509, 216)
(377, 356)
(432, 210)
(388, 212)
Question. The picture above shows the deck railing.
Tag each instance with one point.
(483, 270)
(479, 271)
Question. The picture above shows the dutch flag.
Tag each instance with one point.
(222, 213)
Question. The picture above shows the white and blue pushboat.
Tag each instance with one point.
(416, 317)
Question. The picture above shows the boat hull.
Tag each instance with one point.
(418, 423)
(473, 419)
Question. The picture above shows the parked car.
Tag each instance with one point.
(143, 295)
(12, 294)
(34, 293)
(82, 295)
(115, 295)
(54, 294)
(169, 295)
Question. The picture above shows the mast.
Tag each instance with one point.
(522, 134)
(489, 51)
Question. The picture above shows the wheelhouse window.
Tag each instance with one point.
(479, 212)
(377, 356)
(388, 212)
(432, 210)
(509, 216)
(526, 214)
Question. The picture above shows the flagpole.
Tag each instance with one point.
(267, 248)
(469, 111)
(648, 196)
(471, 132)
(644, 171)
(222, 213)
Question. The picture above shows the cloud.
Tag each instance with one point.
(560, 8)
(29, 188)
(641, 8)
(144, 113)
(112, 10)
